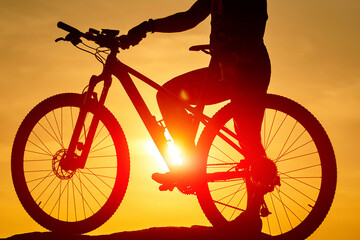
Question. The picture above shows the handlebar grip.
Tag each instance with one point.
(67, 28)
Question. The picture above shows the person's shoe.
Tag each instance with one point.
(167, 180)
(182, 180)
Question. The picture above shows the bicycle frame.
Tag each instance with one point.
(113, 66)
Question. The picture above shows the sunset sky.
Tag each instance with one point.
(315, 54)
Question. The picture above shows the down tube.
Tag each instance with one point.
(155, 130)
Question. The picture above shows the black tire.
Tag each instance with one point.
(69, 201)
(306, 164)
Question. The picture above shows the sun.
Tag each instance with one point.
(174, 152)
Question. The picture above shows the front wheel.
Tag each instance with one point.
(63, 200)
(303, 154)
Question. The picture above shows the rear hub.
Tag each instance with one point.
(264, 175)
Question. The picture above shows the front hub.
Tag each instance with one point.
(64, 173)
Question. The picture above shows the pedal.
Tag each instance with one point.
(166, 188)
(169, 181)
(163, 178)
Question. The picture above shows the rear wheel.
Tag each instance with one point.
(72, 201)
(296, 142)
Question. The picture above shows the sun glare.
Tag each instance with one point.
(173, 151)
(174, 154)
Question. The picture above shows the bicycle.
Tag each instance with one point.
(70, 160)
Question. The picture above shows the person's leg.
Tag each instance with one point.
(249, 99)
(177, 120)
(193, 88)
(248, 120)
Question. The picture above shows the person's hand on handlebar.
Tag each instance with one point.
(136, 34)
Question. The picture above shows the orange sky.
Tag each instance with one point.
(315, 54)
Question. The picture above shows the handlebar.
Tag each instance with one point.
(68, 28)
(106, 38)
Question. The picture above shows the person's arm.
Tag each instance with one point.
(177, 22)
(183, 21)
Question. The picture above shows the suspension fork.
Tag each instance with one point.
(72, 160)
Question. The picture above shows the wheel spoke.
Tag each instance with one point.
(58, 128)
(74, 198)
(237, 206)
(96, 187)
(87, 189)
(286, 141)
(41, 153)
(284, 207)
(287, 150)
(301, 192)
(293, 150)
(276, 213)
(52, 193)
(46, 150)
(99, 176)
(293, 200)
(102, 148)
(83, 199)
(277, 131)
(296, 157)
(225, 187)
(102, 140)
(230, 206)
(41, 178)
(54, 135)
(299, 169)
(233, 160)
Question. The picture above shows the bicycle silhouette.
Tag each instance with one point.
(70, 160)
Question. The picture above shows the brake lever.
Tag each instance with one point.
(70, 38)
(59, 39)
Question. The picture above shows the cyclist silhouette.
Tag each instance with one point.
(70, 149)
(239, 70)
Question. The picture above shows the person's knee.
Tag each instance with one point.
(161, 96)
